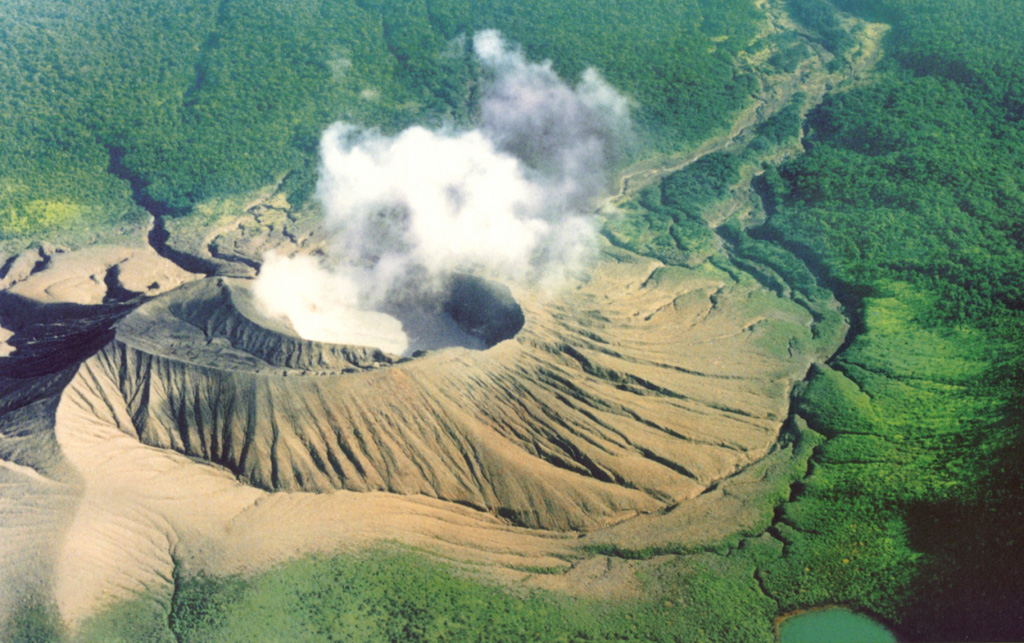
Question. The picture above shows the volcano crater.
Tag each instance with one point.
(219, 323)
(633, 389)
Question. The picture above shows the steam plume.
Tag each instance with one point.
(504, 199)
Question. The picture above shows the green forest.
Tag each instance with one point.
(906, 202)
(109, 109)
(909, 197)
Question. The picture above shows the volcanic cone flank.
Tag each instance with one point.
(600, 407)
(197, 435)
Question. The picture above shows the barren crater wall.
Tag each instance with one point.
(221, 310)
(631, 392)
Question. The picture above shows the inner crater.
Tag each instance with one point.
(483, 313)
(468, 312)
(219, 322)
(401, 316)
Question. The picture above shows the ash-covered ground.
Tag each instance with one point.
(173, 426)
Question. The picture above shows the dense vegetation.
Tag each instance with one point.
(106, 106)
(910, 197)
(908, 179)
(913, 503)
(824, 22)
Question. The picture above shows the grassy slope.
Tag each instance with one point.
(391, 594)
(905, 512)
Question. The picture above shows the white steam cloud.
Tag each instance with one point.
(505, 199)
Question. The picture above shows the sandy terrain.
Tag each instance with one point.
(182, 441)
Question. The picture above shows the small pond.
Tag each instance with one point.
(833, 625)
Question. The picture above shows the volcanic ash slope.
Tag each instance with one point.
(637, 389)
(626, 393)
